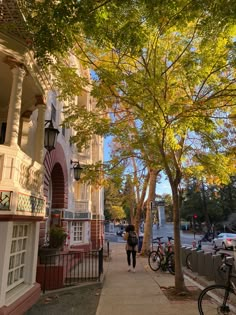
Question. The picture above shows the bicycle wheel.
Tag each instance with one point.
(154, 260)
(170, 263)
(217, 299)
(189, 261)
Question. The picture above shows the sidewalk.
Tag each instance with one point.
(120, 293)
(138, 293)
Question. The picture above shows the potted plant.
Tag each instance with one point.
(57, 237)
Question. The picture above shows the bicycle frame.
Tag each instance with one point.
(162, 249)
(165, 254)
(226, 305)
(165, 250)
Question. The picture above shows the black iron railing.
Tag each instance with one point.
(69, 269)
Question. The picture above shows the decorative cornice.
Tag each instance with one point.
(22, 218)
(13, 63)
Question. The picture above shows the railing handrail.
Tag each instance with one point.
(68, 268)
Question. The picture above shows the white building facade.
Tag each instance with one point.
(37, 187)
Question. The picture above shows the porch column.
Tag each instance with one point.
(14, 111)
(39, 137)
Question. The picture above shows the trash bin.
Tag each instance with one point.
(140, 243)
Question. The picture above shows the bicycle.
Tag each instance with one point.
(188, 259)
(219, 298)
(163, 257)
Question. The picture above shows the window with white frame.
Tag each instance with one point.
(17, 260)
(77, 231)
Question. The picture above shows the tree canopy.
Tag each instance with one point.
(163, 78)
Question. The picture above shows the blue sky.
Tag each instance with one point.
(162, 188)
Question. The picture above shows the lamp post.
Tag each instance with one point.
(77, 170)
(50, 137)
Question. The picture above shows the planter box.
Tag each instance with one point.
(44, 254)
(51, 278)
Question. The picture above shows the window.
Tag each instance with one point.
(17, 255)
(3, 132)
(77, 231)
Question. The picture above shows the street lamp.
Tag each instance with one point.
(77, 170)
(50, 136)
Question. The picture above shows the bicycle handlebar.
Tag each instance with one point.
(158, 238)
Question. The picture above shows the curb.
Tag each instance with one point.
(199, 281)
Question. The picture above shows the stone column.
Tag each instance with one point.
(24, 133)
(14, 111)
(39, 136)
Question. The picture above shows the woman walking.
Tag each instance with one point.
(131, 247)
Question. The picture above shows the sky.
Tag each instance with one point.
(162, 188)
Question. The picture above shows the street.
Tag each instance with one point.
(187, 238)
(165, 230)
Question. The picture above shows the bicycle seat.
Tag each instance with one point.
(170, 238)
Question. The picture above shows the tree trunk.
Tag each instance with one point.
(179, 278)
(140, 203)
(148, 221)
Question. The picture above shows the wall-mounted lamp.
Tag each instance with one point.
(77, 170)
(50, 136)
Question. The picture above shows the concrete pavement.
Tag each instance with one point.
(138, 293)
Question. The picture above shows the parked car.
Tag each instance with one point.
(224, 240)
(121, 231)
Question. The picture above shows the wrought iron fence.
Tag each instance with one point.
(69, 269)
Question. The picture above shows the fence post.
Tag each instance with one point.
(194, 260)
(200, 262)
(187, 250)
(207, 262)
(209, 267)
(44, 277)
(219, 276)
(108, 249)
(100, 262)
(183, 255)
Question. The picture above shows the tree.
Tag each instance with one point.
(219, 201)
(179, 97)
(53, 25)
(113, 198)
(176, 84)
(117, 213)
(129, 200)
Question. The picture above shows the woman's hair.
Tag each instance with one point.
(129, 228)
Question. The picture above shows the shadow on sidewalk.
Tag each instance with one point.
(82, 300)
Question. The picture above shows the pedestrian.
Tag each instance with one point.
(131, 247)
